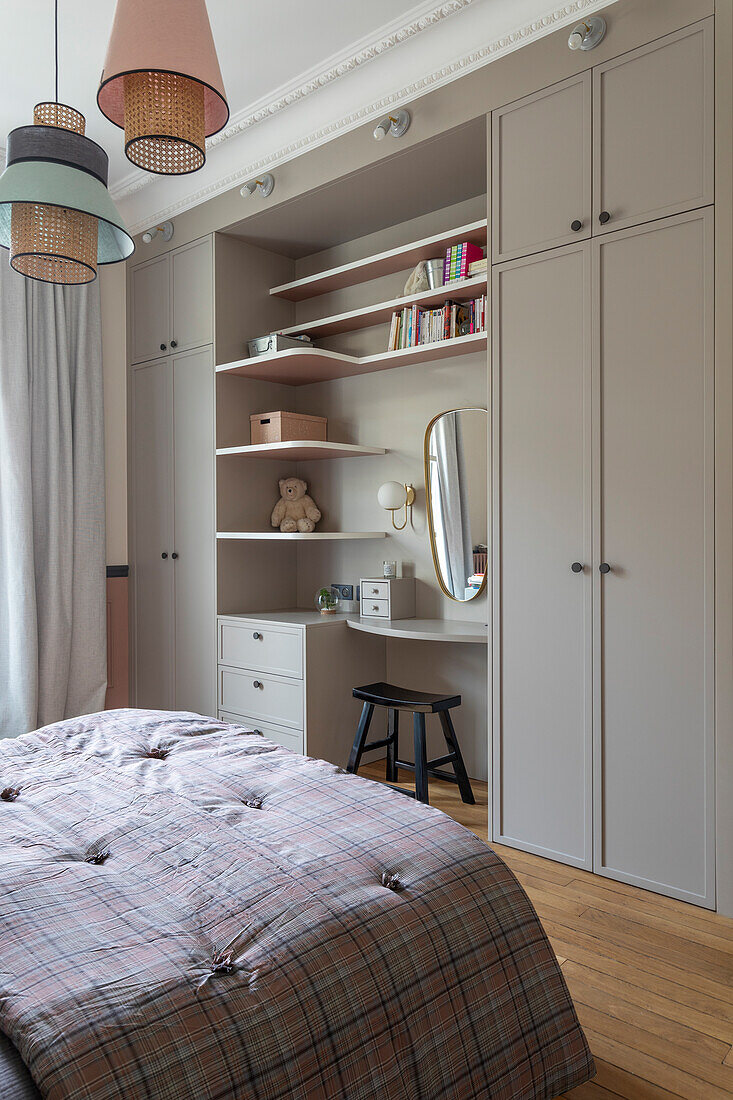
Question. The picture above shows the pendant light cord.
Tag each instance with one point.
(56, 44)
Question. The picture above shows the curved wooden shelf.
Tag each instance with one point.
(301, 450)
(383, 263)
(425, 630)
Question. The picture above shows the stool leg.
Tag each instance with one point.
(464, 783)
(362, 732)
(421, 757)
(393, 732)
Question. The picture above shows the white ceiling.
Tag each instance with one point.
(300, 69)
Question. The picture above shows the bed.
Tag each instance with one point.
(190, 911)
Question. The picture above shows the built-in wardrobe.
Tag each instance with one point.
(603, 468)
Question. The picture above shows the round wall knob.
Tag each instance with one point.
(604, 217)
(604, 567)
(164, 555)
(257, 636)
(256, 683)
(174, 555)
(174, 343)
(576, 225)
(576, 567)
(163, 347)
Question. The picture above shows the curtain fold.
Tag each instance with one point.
(52, 519)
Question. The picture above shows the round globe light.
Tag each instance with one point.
(392, 495)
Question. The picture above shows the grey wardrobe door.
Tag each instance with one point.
(541, 170)
(654, 610)
(541, 526)
(194, 539)
(653, 130)
(152, 399)
(192, 296)
(150, 309)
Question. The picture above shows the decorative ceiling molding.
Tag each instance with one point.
(423, 17)
(507, 43)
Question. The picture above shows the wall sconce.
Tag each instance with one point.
(587, 34)
(392, 496)
(265, 185)
(396, 125)
(164, 230)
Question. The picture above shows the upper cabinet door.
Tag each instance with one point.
(541, 175)
(653, 130)
(192, 294)
(151, 309)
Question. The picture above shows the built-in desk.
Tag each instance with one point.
(424, 630)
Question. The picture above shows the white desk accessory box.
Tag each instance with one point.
(388, 598)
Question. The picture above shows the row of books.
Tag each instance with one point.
(414, 325)
(458, 259)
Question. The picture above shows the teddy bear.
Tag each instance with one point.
(295, 511)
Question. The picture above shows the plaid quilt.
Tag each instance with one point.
(190, 912)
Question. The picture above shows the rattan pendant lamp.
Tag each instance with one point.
(161, 83)
(56, 216)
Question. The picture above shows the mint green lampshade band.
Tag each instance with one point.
(43, 181)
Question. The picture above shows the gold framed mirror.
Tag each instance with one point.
(456, 492)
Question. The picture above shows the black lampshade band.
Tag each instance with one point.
(50, 143)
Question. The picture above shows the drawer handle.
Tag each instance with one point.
(375, 607)
(375, 592)
(257, 636)
(257, 684)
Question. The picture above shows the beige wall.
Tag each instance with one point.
(112, 285)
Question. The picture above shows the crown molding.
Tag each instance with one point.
(359, 53)
(543, 25)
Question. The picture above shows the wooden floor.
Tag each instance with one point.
(652, 978)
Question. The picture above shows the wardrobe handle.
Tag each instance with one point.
(604, 567)
(174, 555)
(604, 217)
(164, 555)
(174, 343)
(577, 567)
(163, 347)
(257, 636)
(256, 683)
(576, 226)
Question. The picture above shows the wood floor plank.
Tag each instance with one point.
(619, 1082)
(654, 1071)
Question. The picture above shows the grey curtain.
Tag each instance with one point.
(451, 464)
(52, 521)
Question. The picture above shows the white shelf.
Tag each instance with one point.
(301, 536)
(301, 450)
(383, 263)
(297, 367)
(460, 290)
(425, 630)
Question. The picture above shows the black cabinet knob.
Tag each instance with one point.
(257, 636)
(174, 343)
(256, 683)
(174, 555)
(576, 226)
(604, 217)
(604, 567)
(164, 555)
(163, 347)
(576, 567)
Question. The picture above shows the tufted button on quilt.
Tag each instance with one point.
(97, 857)
(157, 754)
(392, 882)
(9, 794)
(253, 803)
(222, 963)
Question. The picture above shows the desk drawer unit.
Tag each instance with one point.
(262, 646)
(265, 698)
(289, 739)
(388, 598)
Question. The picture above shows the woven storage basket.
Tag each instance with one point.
(279, 427)
(165, 127)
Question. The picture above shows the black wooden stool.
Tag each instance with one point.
(420, 703)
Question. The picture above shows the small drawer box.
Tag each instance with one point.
(388, 598)
(264, 698)
(261, 646)
(279, 427)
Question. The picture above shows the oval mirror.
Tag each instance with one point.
(456, 468)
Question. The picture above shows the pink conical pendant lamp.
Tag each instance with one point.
(161, 83)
